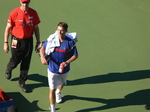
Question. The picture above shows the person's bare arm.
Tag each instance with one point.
(6, 37)
(42, 52)
(74, 57)
(37, 35)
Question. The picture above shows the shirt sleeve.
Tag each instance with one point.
(73, 48)
(36, 18)
(74, 51)
(44, 44)
(11, 18)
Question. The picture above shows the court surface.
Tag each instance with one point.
(112, 73)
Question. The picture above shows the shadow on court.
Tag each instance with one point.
(23, 104)
(42, 81)
(141, 97)
(111, 77)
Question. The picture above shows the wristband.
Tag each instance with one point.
(5, 42)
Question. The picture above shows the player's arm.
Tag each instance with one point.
(6, 36)
(37, 35)
(74, 57)
(42, 52)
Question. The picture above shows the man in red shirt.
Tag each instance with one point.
(22, 23)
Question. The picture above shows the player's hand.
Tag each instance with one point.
(64, 64)
(6, 47)
(36, 46)
(43, 61)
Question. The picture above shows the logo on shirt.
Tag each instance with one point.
(31, 17)
(20, 20)
(29, 23)
(55, 42)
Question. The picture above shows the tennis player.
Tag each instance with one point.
(62, 56)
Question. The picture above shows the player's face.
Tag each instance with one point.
(25, 5)
(61, 31)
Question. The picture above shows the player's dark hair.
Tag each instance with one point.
(63, 24)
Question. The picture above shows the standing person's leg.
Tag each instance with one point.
(60, 87)
(24, 68)
(58, 94)
(14, 60)
(25, 64)
(12, 64)
(52, 99)
(61, 82)
(53, 83)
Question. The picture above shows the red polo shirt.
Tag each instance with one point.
(23, 22)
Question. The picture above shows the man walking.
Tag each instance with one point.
(59, 64)
(22, 24)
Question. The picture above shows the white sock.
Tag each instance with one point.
(58, 90)
(52, 108)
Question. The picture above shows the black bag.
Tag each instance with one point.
(47, 57)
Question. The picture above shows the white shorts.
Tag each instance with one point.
(56, 79)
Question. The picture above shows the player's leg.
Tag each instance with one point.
(62, 82)
(52, 99)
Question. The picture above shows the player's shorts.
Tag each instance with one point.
(56, 79)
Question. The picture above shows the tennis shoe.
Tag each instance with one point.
(51, 110)
(58, 97)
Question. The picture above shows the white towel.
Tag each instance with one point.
(53, 41)
(72, 36)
